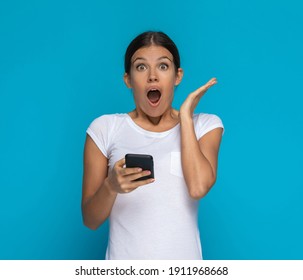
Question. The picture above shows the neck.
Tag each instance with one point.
(166, 121)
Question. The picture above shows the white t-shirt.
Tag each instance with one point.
(158, 220)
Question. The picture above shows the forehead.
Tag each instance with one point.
(152, 53)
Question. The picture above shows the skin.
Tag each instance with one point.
(152, 67)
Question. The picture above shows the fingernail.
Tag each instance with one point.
(139, 169)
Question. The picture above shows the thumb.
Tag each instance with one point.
(121, 162)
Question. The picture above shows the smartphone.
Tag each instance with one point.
(140, 160)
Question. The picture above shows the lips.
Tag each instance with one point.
(154, 96)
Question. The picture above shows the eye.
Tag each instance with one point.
(141, 67)
(163, 66)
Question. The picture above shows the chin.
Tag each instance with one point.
(157, 112)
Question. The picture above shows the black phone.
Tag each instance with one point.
(140, 160)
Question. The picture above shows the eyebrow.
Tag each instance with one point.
(160, 58)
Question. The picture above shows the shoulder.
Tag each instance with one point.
(204, 123)
(204, 118)
(102, 130)
(108, 120)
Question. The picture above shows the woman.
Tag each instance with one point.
(152, 218)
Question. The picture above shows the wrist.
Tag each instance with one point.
(185, 118)
(185, 111)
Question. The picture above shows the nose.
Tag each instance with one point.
(152, 76)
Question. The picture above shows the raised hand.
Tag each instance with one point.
(192, 100)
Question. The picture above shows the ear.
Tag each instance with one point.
(179, 76)
(126, 79)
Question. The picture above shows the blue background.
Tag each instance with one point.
(61, 66)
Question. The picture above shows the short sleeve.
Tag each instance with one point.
(99, 131)
(205, 123)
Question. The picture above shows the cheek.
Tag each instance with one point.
(137, 93)
(172, 83)
(172, 78)
(137, 81)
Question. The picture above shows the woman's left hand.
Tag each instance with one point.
(192, 100)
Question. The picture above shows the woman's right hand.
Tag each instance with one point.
(121, 179)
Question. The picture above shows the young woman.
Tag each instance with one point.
(153, 218)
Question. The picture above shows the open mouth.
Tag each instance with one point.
(154, 96)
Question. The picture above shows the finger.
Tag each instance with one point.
(206, 86)
(132, 185)
(212, 81)
(129, 171)
(121, 169)
(133, 177)
(135, 184)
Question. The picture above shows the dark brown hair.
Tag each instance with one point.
(147, 39)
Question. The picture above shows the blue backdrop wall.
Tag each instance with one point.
(61, 66)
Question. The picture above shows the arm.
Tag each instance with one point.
(100, 188)
(199, 158)
(97, 196)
